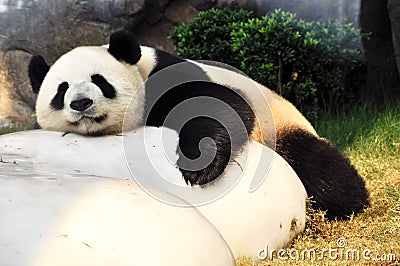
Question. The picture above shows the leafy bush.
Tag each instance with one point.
(310, 63)
(208, 36)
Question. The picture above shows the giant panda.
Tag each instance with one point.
(99, 90)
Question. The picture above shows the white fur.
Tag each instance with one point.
(147, 62)
(76, 68)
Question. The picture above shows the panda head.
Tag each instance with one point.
(88, 90)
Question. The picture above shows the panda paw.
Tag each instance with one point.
(203, 176)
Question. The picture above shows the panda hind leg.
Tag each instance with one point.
(331, 181)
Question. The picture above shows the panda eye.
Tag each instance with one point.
(63, 87)
(106, 88)
(57, 102)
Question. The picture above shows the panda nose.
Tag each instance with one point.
(81, 105)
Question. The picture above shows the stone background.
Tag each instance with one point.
(52, 27)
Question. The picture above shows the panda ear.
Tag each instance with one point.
(124, 47)
(37, 72)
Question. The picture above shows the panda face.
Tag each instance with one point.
(88, 91)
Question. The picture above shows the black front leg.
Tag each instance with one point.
(204, 150)
(213, 122)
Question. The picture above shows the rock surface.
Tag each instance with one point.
(15, 92)
(252, 188)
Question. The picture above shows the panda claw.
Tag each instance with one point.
(201, 177)
(65, 133)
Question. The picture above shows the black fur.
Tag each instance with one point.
(36, 125)
(37, 72)
(106, 88)
(165, 59)
(124, 47)
(57, 103)
(329, 178)
(228, 125)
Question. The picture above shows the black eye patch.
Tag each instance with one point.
(58, 101)
(106, 88)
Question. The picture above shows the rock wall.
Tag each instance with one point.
(16, 98)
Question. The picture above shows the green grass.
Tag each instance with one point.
(364, 128)
(370, 138)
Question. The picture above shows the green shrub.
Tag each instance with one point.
(208, 36)
(310, 63)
